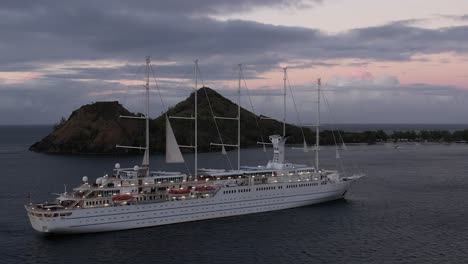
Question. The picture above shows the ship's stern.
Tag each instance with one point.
(36, 220)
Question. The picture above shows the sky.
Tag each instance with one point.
(379, 61)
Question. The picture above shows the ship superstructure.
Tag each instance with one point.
(137, 197)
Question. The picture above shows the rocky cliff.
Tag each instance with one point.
(93, 129)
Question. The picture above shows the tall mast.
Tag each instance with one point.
(145, 162)
(196, 119)
(284, 101)
(317, 127)
(239, 117)
(146, 158)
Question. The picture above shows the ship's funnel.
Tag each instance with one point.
(278, 148)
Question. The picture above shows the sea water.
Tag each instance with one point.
(410, 208)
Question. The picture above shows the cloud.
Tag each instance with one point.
(211, 70)
(50, 39)
(159, 6)
(170, 30)
(360, 78)
(454, 17)
(46, 100)
(358, 98)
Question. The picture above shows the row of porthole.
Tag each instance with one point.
(115, 218)
(236, 191)
(207, 208)
(266, 188)
(207, 215)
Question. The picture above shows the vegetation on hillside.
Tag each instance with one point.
(98, 128)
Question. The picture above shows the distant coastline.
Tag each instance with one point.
(351, 133)
(390, 127)
(349, 127)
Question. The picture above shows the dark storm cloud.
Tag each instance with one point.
(397, 42)
(162, 6)
(170, 31)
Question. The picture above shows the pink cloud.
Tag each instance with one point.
(361, 74)
(18, 77)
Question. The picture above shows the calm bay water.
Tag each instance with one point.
(411, 208)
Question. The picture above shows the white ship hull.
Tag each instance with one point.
(229, 201)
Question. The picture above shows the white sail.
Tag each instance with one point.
(337, 155)
(173, 154)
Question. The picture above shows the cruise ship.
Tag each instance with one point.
(138, 197)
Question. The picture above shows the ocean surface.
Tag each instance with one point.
(410, 208)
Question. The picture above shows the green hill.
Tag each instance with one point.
(97, 128)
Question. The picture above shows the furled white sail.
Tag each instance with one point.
(173, 154)
(305, 146)
(345, 147)
(146, 158)
(223, 151)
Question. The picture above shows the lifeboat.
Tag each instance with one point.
(205, 188)
(121, 198)
(179, 191)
